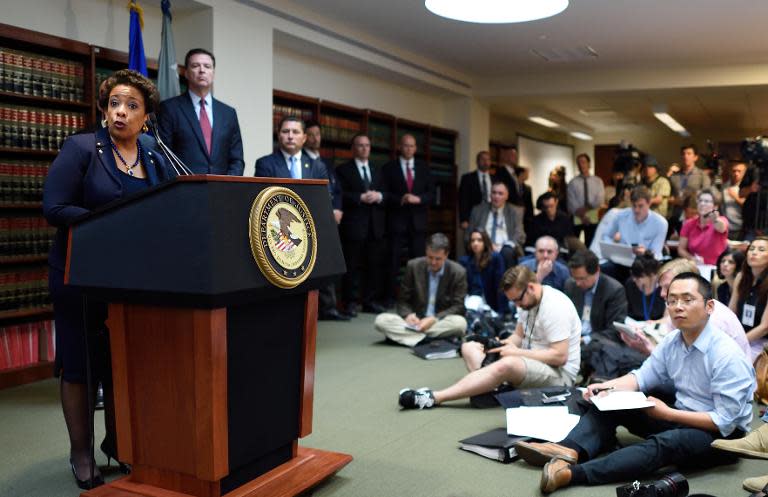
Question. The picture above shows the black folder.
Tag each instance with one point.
(495, 444)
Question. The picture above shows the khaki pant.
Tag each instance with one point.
(393, 327)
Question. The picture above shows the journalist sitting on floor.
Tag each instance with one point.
(714, 384)
(543, 351)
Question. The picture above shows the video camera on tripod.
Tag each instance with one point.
(755, 151)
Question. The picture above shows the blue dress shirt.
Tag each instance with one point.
(711, 376)
(651, 233)
(434, 281)
(586, 324)
(555, 279)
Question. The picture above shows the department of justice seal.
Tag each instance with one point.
(282, 235)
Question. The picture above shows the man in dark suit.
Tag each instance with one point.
(599, 300)
(431, 300)
(505, 172)
(551, 221)
(527, 196)
(475, 188)
(202, 131)
(292, 161)
(502, 221)
(362, 229)
(409, 191)
(327, 305)
(289, 161)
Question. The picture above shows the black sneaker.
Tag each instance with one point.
(423, 398)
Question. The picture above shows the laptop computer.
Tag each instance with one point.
(618, 253)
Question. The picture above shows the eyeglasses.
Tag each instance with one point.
(685, 301)
(520, 298)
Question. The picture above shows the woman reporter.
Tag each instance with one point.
(704, 237)
(750, 293)
(728, 265)
(91, 170)
(643, 289)
(485, 269)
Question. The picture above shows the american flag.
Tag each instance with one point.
(285, 244)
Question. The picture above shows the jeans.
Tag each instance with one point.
(665, 444)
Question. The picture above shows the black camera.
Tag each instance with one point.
(671, 485)
(488, 344)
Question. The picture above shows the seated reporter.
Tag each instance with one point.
(545, 264)
(643, 290)
(704, 237)
(431, 299)
(728, 265)
(722, 318)
(91, 170)
(750, 295)
(543, 351)
(714, 384)
(502, 221)
(485, 269)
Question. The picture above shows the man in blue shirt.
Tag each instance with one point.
(639, 227)
(549, 271)
(714, 385)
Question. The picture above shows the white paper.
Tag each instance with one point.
(621, 400)
(551, 423)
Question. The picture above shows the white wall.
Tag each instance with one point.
(305, 75)
(98, 22)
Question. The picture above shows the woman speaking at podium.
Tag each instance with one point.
(91, 170)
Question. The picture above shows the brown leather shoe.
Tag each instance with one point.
(754, 445)
(539, 454)
(556, 474)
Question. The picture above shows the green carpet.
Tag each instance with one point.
(409, 453)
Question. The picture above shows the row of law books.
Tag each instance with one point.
(21, 181)
(24, 289)
(339, 129)
(38, 75)
(380, 134)
(37, 129)
(24, 237)
(26, 344)
(281, 111)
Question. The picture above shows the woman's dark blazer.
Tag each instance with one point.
(83, 177)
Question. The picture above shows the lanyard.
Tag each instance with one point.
(647, 308)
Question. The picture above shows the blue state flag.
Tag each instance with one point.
(167, 73)
(136, 59)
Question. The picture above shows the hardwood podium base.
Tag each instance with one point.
(307, 469)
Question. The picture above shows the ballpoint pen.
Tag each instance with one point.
(596, 391)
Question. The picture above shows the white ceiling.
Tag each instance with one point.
(703, 58)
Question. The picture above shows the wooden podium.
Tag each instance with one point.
(213, 365)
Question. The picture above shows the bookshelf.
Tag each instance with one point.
(339, 123)
(47, 92)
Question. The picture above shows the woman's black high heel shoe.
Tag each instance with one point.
(88, 484)
(110, 453)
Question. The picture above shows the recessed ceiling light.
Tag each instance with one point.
(581, 136)
(496, 11)
(543, 121)
(660, 112)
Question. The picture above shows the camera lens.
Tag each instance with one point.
(671, 485)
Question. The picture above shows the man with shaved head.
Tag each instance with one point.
(409, 191)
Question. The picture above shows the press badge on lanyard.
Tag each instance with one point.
(748, 315)
(586, 313)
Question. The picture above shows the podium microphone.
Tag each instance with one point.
(178, 166)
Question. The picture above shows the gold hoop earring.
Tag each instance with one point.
(103, 123)
(144, 128)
